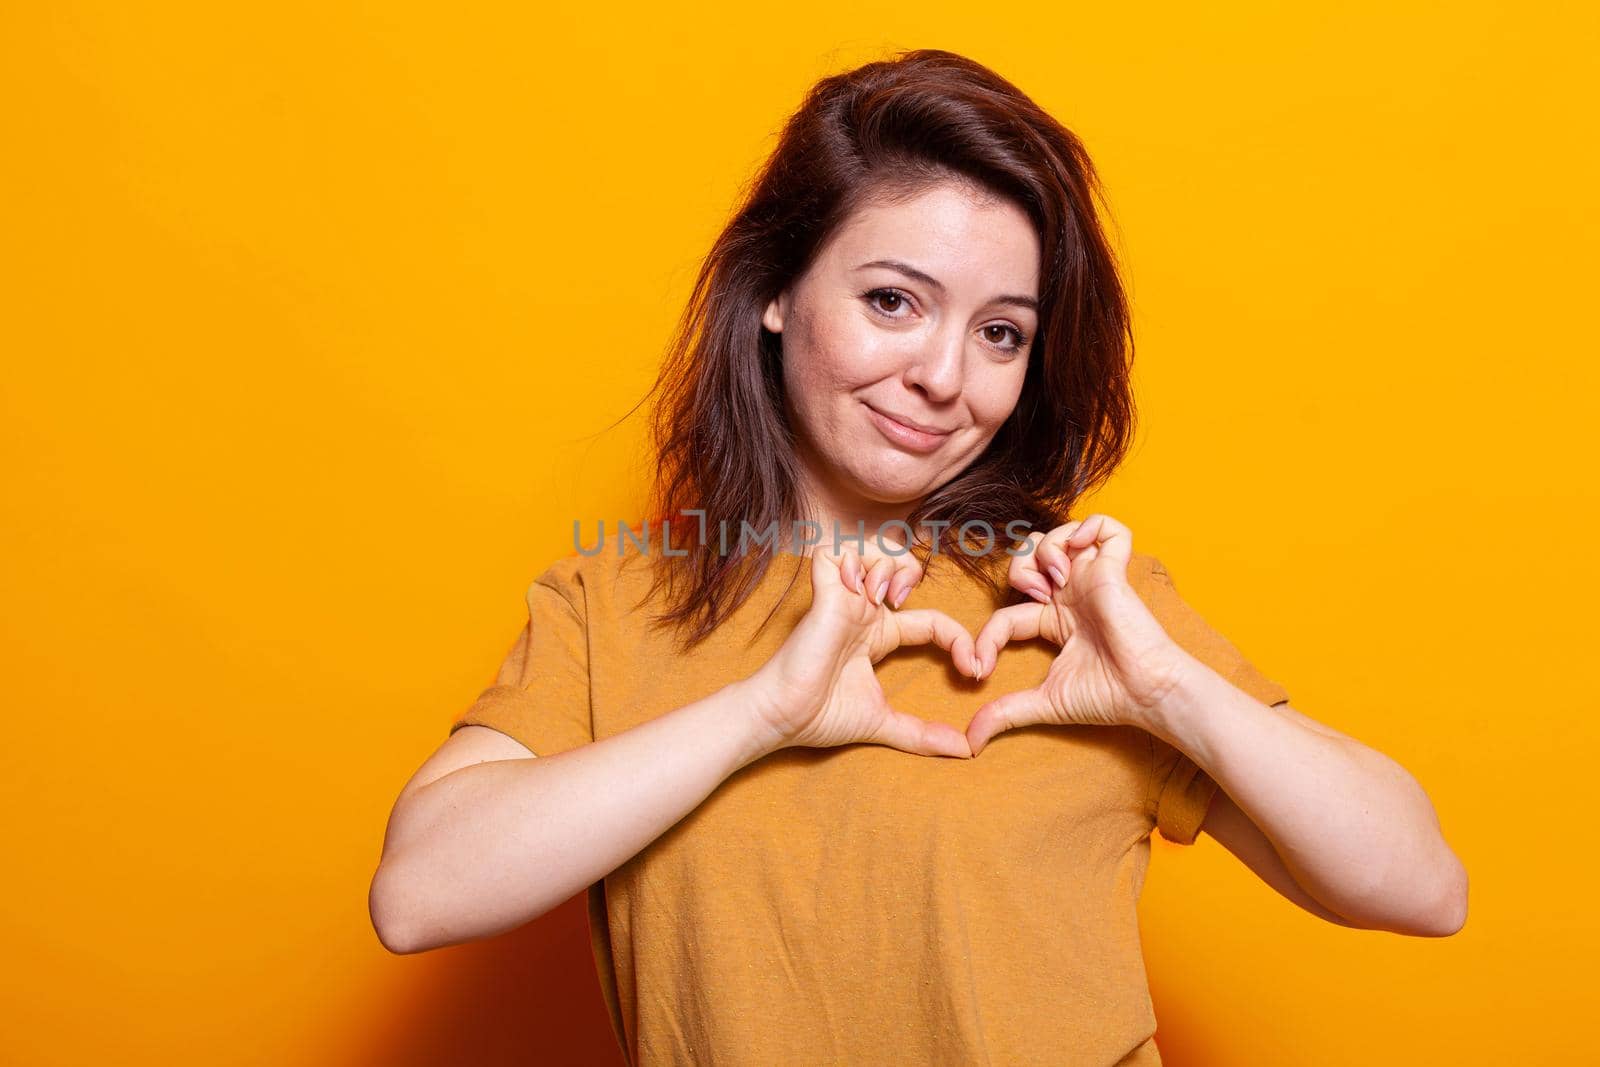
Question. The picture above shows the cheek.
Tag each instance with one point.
(827, 355)
(994, 399)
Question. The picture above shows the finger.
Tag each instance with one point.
(911, 734)
(1007, 712)
(850, 568)
(825, 569)
(876, 582)
(921, 626)
(1024, 574)
(908, 572)
(830, 568)
(1101, 535)
(1019, 622)
(1053, 560)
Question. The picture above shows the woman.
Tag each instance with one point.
(799, 847)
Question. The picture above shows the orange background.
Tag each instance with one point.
(314, 314)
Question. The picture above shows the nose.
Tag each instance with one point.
(937, 369)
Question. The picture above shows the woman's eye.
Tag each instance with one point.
(1018, 344)
(888, 301)
(877, 298)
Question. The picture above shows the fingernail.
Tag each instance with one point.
(877, 594)
(900, 597)
(1055, 572)
(1040, 595)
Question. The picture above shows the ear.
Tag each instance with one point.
(772, 317)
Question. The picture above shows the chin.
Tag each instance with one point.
(889, 485)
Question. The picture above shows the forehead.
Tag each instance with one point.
(967, 239)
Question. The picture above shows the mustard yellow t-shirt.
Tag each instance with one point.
(859, 904)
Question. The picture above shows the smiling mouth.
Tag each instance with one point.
(903, 434)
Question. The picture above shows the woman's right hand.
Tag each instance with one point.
(820, 688)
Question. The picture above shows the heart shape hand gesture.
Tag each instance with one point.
(821, 688)
(1115, 662)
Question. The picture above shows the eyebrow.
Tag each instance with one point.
(934, 283)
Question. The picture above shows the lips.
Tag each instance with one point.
(913, 436)
(913, 423)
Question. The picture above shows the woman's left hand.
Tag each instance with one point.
(1115, 663)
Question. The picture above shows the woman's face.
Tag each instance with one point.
(905, 344)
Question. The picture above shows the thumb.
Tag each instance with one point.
(1022, 708)
(919, 736)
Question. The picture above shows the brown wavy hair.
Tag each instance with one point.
(888, 129)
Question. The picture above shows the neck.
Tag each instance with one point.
(850, 514)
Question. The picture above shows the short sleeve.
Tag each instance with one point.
(541, 695)
(1180, 791)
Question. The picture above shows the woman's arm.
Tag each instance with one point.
(490, 846)
(1352, 826)
(496, 842)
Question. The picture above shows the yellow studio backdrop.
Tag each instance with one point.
(313, 315)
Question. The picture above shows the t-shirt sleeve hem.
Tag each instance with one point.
(513, 711)
(1184, 802)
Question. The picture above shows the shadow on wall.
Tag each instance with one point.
(529, 996)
